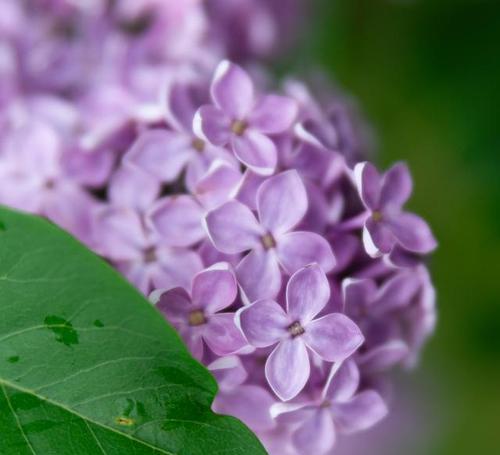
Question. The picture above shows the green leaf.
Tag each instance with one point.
(88, 366)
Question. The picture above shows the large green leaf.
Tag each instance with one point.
(88, 366)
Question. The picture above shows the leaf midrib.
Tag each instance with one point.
(4, 383)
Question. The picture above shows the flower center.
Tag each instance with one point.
(377, 216)
(196, 317)
(268, 241)
(150, 255)
(198, 144)
(238, 127)
(296, 329)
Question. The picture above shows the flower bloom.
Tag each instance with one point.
(387, 225)
(197, 314)
(281, 205)
(333, 337)
(283, 258)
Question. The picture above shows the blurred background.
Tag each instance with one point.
(427, 75)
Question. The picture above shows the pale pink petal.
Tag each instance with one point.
(247, 190)
(233, 228)
(298, 249)
(357, 295)
(178, 220)
(229, 372)
(287, 368)
(222, 335)
(396, 292)
(273, 114)
(307, 293)
(282, 202)
(333, 337)
(263, 323)
(232, 90)
(316, 435)
(214, 289)
(256, 151)
(259, 275)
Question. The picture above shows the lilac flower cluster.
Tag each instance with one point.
(284, 259)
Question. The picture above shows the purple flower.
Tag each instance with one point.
(240, 119)
(340, 407)
(121, 234)
(281, 204)
(387, 225)
(196, 315)
(333, 337)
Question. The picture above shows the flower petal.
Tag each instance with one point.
(256, 151)
(362, 412)
(232, 90)
(287, 368)
(377, 238)
(217, 184)
(413, 233)
(307, 293)
(259, 275)
(298, 249)
(122, 190)
(273, 114)
(282, 202)
(396, 187)
(212, 125)
(396, 292)
(368, 182)
(222, 335)
(233, 228)
(229, 372)
(249, 403)
(263, 323)
(175, 304)
(178, 220)
(357, 295)
(162, 153)
(343, 381)
(214, 288)
(316, 435)
(333, 337)
(175, 267)
(384, 356)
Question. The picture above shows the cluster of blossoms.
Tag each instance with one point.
(250, 215)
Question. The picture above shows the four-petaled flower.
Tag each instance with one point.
(333, 337)
(196, 315)
(239, 119)
(388, 225)
(281, 204)
(339, 408)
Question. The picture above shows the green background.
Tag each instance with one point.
(427, 74)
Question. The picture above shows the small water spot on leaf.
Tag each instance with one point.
(98, 323)
(13, 359)
(63, 330)
(125, 421)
